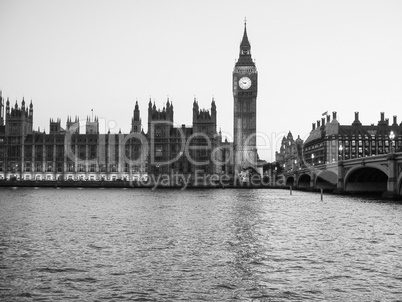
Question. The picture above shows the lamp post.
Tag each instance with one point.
(340, 151)
(312, 159)
(392, 137)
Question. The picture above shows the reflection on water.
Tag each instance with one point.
(211, 245)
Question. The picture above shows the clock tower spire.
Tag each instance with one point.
(245, 107)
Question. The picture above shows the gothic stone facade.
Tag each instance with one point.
(245, 108)
(166, 148)
(67, 154)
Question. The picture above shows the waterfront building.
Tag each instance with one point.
(81, 152)
(185, 150)
(245, 89)
(67, 154)
(290, 154)
(329, 141)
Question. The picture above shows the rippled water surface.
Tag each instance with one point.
(197, 245)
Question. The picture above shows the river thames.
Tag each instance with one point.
(197, 245)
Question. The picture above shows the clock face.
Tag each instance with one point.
(244, 83)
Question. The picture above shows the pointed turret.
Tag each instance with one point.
(195, 110)
(213, 110)
(136, 120)
(31, 109)
(245, 50)
(169, 110)
(8, 106)
(1, 109)
(245, 44)
(195, 104)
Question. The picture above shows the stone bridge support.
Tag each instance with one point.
(313, 177)
(392, 184)
(340, 187)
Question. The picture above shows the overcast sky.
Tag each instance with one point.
(312, 56)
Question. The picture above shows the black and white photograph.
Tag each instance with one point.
(195, 150)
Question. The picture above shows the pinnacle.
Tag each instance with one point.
(245, 42)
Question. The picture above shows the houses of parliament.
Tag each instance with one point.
(66, 153)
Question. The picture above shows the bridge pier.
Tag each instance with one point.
(392, 183)
(340, 186)
(313, 181)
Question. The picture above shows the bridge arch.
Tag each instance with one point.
(327, 180)
(376, 166)
(367, 178)
(303, 181)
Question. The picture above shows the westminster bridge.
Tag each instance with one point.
(374, 174)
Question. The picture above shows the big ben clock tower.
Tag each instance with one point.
(245, 108)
